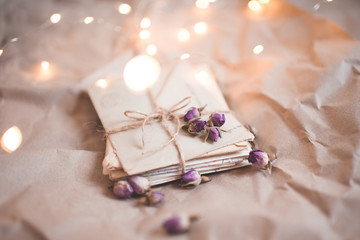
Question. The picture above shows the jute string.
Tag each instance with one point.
(161, 115)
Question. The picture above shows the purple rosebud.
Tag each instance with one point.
(213, 134)
(177, 224)
(191, 178)
(122, 189)
(140, 184)
(155, 198)
(192, 113)
(196, 126)
(218, 119)
(258, 158)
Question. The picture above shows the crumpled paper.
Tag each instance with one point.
(301, 93)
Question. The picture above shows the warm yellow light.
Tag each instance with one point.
(141, 72)
(45, 65)
(11, 139)
(88, 20)
(202, 4)
(264, 1)
(151, 49)
(200, 28)
(144, 34)
(329, 0)
(202, 75)
(185, 56)
(145, 23)
(55, 18)
(124, 8)
(101, 83)
(254, 5)
(258, 49)
(183, 35)
(1, 51)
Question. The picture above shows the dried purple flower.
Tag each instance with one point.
(155, 198)
(122, 189)
(140, 184)
(178, 223)
(191, 114)
(218, 119)
(191, 178)
(152, 198)
(213, 134)
(259, 158)
(196, 126)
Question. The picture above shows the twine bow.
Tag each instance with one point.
(160, 115)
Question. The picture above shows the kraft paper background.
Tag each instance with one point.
(302, 93)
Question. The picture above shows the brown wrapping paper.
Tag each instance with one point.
(301, 93)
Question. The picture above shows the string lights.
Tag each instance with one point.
(151, 49)
(258, 49)
(200, 28)
(101, 83)
(11, 139)
(147, 63)
(124, 8)
(145, 23)
(88, 20)
(45, 65)
(183, 35)
(55, 18)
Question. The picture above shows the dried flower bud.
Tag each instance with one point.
(218, 119)
(152, 198)
(259, 158)
(196, 126)
(122, 189)
(178, 223)
(140, 184)
(192, 113)
(213, 134)
(191, 178)
(155, 198)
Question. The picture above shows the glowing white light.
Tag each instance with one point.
(45, 65)
(200, 28)
(202, 4)
(11, 139)
(101, 83)
(145, 23)
(264, 1)
(254, 5)
(55, 18)
(124, 8)
(88, 20)
(151, 49)
(329, 0)
(1, 51)
(14, 39)
(202, 75)
(183, 35)
(185, 56)
(258, 49)
(144, 34)
(141, 72)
